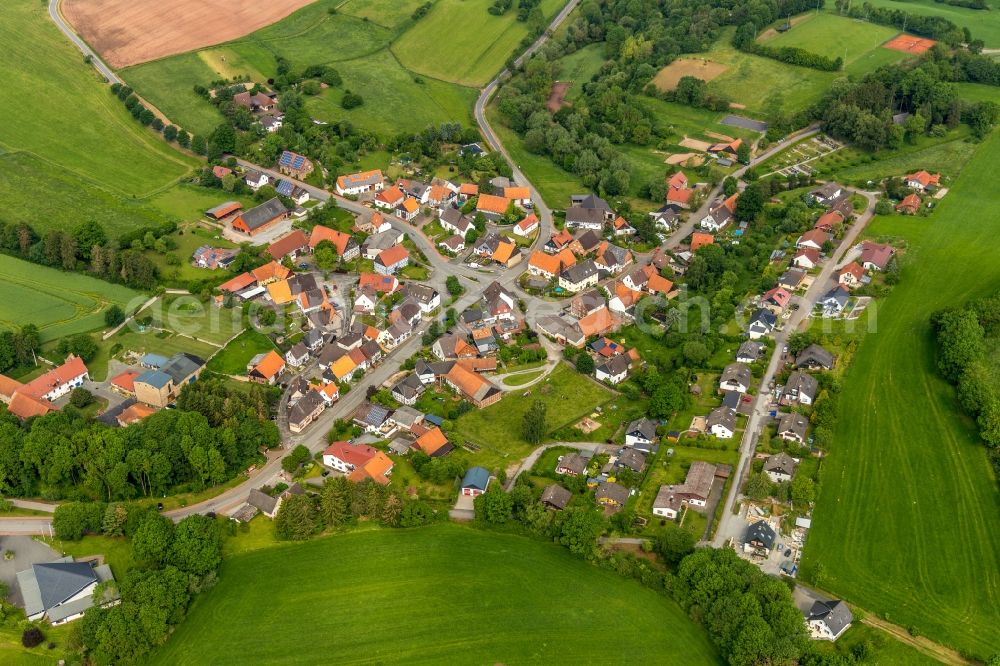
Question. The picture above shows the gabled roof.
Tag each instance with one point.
(834, 614)
(431, 441)
(701, 239)
(287, 244)
(516, 193)
(761, 532)
(779, 296)
(393, 255)
(260, 215)
(270, 271)
(476, 478)
(238, 283)
(736, 372)
(270, 366)
(321, 233)
(924, 178)
(385, 284)
(360, 179)
(60, 581)
(492, 204)
(552, 264)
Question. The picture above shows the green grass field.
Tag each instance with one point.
(233, 358)
(58, 110)
(438, 595)
(859, 43)
(394, 101)
(386, 13)
(580, 67)
(947, 155)
(459, 41)
(907, 522)
(985, 25)
(58, 303)
(497, 429)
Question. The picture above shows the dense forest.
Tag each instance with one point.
(213, 434)
(967, 339)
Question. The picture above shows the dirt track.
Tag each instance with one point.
(128, 32)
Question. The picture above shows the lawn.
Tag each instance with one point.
(116, 551)
(188, 316)
(985, 25)
(58, 303)
(906, 523)
(59, 110)
(47, 196)
(567, 395)
(437, 595)
(233, 358)
(394, 100)
(554, 184)
(580, 67)
(521, 380)
(859, 43)
(461, 42)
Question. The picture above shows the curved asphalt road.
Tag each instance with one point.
(85, 49)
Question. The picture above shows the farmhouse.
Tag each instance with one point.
(256, 102)
(475, 482)
(910, 205)
(359, 183)
(921, 180)
(293, 164)
(800, 388)
(578, 217)
(550, 265)
(473, 387)
(63, 590)
(452, 219)
(287, 188)
(261, 217)
(358, 462)
(160, 387)
(719, 215)
(826, 194)
(781, 467)
(35, 398)
(224, 210)
(527, 226)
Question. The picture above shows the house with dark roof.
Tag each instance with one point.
(161, 387)
(611, 495)
(835, 301)
(293, 164)
(305, 410)
(572, 464)
(750, 351)
(760, 536)
(694, 492)
(555, 497)
(63, 590)
(408, 389)
(475, 482)
(735, 377)
(578, 217)
(721, 421)
(828, 620)
(781, 467)
(814, 357)
(614, 370)
(632, 459)
(641, 434)
(793, 427)
(761, 324)
(371, 417)
(801, 388)
(260, 218)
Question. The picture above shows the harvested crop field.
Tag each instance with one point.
(557, 96)
(694, 144)
(910, 44)
(700, 68)
(126, 32)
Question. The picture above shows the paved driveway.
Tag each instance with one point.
(26, 551)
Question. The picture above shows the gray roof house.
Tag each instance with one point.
(793, 427)
(555, 497)
(828, 620)
(800, 388)
(632, 459)
(721, 422)
(760, 535)
(572, 464)
(750, 351)
(641, 434)
(814, 357)
(780, 467)
(61, 591)
(761, 323)
(735, 377)
(263, 502)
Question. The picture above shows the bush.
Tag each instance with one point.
(80, 398)
(351, 100)
(113, 316)
(32, 637)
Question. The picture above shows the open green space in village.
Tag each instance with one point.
(906, 524)
(443, 594)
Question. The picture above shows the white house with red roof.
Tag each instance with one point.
(921, 180)
(527, 226)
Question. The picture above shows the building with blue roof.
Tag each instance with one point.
(154, 361)
(475, 482)
(293, 164)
